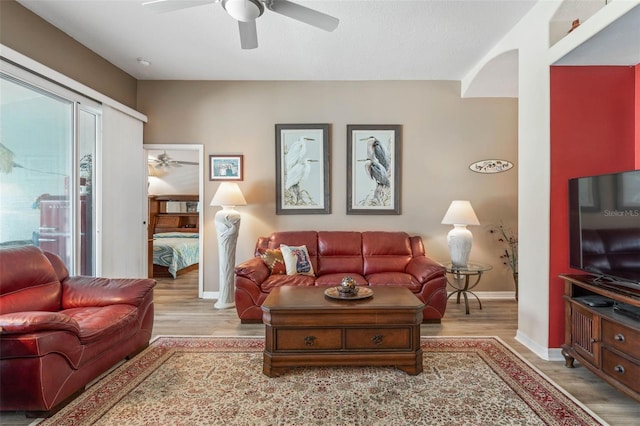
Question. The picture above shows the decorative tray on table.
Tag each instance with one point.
(335, 293)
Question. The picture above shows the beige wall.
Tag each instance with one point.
(27, 33)
(442, 135)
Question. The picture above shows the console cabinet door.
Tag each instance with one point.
(585, 334)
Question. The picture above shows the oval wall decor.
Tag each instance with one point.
(491, 166)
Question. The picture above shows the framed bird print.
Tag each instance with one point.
(302, 169)
(373, 169)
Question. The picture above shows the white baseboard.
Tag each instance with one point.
(496, 295)
(210, 295)
(548, 354)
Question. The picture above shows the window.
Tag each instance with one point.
(48, 139)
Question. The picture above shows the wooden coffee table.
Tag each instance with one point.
(306, 328)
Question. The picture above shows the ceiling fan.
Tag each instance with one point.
(164, 161)
(247, 11)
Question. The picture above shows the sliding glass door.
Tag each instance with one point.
(48, 141)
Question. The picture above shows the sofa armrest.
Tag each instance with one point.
(254, 270)
(83, 291)
(424, 269)
(33, 321)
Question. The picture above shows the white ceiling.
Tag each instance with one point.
(375, 40)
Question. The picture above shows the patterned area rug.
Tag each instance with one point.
(219, 381)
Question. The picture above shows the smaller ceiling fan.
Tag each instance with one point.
(247, 11)
(164, 161)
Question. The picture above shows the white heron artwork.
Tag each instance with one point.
(296, 173)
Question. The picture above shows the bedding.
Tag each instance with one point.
(175, 250)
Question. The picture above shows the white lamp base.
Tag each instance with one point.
(459, 240)
(227, 223)
(219, 305)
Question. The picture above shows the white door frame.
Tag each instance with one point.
(201, 163)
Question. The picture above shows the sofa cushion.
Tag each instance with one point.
(297, 260)
(385, 252)
(398, 279)
(82, 291)
(274, 281)
(336, 279)
(274, 260)
(98, 323)
(33, 286)
(339, 252)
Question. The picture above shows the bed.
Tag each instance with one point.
(175, 253)
(173, 235)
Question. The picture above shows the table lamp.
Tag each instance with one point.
(460, 214)
(227, 223)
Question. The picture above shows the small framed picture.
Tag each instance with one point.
(226, 167)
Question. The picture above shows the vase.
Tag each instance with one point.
(515, 280)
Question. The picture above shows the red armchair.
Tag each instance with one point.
(57, 333)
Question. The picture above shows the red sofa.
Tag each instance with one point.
(371, 258)
(57, 333)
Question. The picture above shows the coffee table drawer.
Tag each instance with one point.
(378, 338)
(308, 339)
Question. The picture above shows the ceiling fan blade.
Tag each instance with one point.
(304, 14)
(248, 34)
(188, 163)
(163, 6)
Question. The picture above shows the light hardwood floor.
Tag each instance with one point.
(178, 311)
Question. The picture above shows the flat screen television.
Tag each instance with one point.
(604, 227)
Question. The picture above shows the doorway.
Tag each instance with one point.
(181, 160)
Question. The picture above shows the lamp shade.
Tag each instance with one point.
(152, 171)
(228, 194)
(460, 212)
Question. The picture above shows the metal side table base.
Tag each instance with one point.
(460, 281)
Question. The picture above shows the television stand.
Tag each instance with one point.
(599, 337)
(615, 283)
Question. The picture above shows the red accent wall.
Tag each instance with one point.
(638, 116)
(593, 131)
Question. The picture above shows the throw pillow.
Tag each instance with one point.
(273, 259)
(297, 260)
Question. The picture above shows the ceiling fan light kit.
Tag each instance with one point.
(247, 11)
(243, 10)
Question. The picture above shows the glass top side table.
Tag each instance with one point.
(459, 277)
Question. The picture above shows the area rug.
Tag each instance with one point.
(219, 381)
